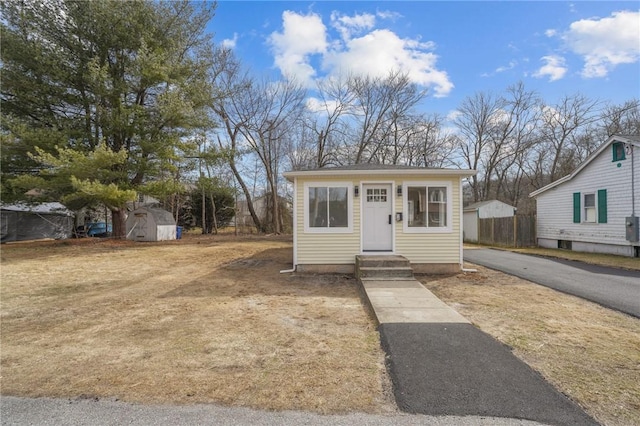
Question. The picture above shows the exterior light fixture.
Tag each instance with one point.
(399, 190)
(356, 190)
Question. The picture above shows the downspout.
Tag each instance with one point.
(633, 186)
(461, 216)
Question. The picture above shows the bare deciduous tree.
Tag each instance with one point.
(377, 103)
(561, 127)
(231, 81)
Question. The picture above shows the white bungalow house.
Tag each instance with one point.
(342, 212)
(595, 208)
(483, 210)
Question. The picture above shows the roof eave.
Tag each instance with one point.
(384, 172)
(596, 153)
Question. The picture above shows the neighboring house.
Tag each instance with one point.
(22, 222)
(371, 209)
(483, 210)
(595, 208)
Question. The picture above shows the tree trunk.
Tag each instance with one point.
(213, 214)
(245, 190)
(119, 222)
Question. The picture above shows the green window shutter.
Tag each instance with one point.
(618, 151)
(602, 206)
(576, 207)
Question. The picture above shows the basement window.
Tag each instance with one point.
(564, 244)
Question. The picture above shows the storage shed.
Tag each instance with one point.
(23, 222)
(151, 224)
(483, 210)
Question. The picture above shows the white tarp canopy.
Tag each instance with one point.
(23, 222)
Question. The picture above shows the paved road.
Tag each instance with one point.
(72, 412)
(613, 288)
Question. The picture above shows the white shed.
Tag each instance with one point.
(483, 210)
(150, 224)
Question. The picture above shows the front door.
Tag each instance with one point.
(377, 223)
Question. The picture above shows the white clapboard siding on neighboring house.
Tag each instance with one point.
(562, 217)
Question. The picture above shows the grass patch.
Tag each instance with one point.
(199, 320)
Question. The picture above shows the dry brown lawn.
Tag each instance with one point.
(199, 320)
(211, 320)
(590, 353)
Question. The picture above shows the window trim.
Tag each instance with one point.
(584, 207)
(614, 148)
(328, 230)
(449, 209)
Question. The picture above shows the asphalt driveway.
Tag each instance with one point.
(613, 288)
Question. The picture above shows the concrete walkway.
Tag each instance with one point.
(407, 301)
(440, 364)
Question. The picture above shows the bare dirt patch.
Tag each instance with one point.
(590, 353)
(199, 320)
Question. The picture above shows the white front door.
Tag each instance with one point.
(377, 220)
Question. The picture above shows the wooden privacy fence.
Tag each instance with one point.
(513, 231)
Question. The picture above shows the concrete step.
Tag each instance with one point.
(383, 279)
(381, 261)
(385, 272)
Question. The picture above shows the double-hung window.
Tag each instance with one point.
(428, 207)
(328, 208)
(590, 208)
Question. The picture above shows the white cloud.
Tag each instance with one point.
(550, 33)
(605, 43)
(349, 25)
(381, 51)
(359, 49)
(230, 43)
(318, 105)
(388, 14)
(453, 114)
(554, 68)
(512, 65)
(302, 36)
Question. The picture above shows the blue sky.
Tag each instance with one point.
(454, 48)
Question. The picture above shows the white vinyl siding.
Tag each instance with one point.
(433, 247)
(326, 246)
(321, 248)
